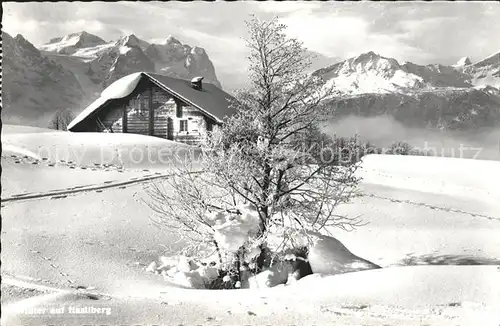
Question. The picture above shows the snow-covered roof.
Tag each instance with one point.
(211, 100)
(121, 88)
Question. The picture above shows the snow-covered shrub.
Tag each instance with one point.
(184, 271)
(233, 230)
(351, 150)
(332, 149)
(61, 119)
(404, 148)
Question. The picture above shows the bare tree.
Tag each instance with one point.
(259, 155)
(61, 119)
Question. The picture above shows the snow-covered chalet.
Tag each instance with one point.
(156, 105)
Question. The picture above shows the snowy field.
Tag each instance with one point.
(442, 213)
(129, 151)
(425, 209)
(17, 129)
(36, 160)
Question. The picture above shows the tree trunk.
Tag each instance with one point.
(261, 260)
(238, 263)
(219, 255)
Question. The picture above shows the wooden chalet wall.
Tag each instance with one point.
(132, 115)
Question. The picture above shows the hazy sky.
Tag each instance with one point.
(420, 32)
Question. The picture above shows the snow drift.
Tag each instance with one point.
(89, 148)
(14, 150)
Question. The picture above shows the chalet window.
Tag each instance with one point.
(178, 110)
(183, 125)
(140, 105)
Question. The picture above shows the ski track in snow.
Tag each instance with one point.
(98, 187)
(59, 194)
(63, 193)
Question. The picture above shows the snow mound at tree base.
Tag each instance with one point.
(185, 272)
(329, 256)
(325, 254)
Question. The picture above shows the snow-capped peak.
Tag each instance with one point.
(82, 34)
(131, 40)
(70, 43)
(198, 51)
(171, 40)
(370, 62)
(369, 73)
(368, 56)
(465, 61)
(82, 39)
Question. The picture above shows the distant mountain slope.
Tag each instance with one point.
(452, 109)
(431, 96)
(121, 59)
(319, 61)
(33, 86)
(485, 72)
(175, 59)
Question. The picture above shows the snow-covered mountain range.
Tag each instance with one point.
(373, 73)
(109, 61)
(71, 43)
(463, 96)
(80, 66)
(71, 71)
